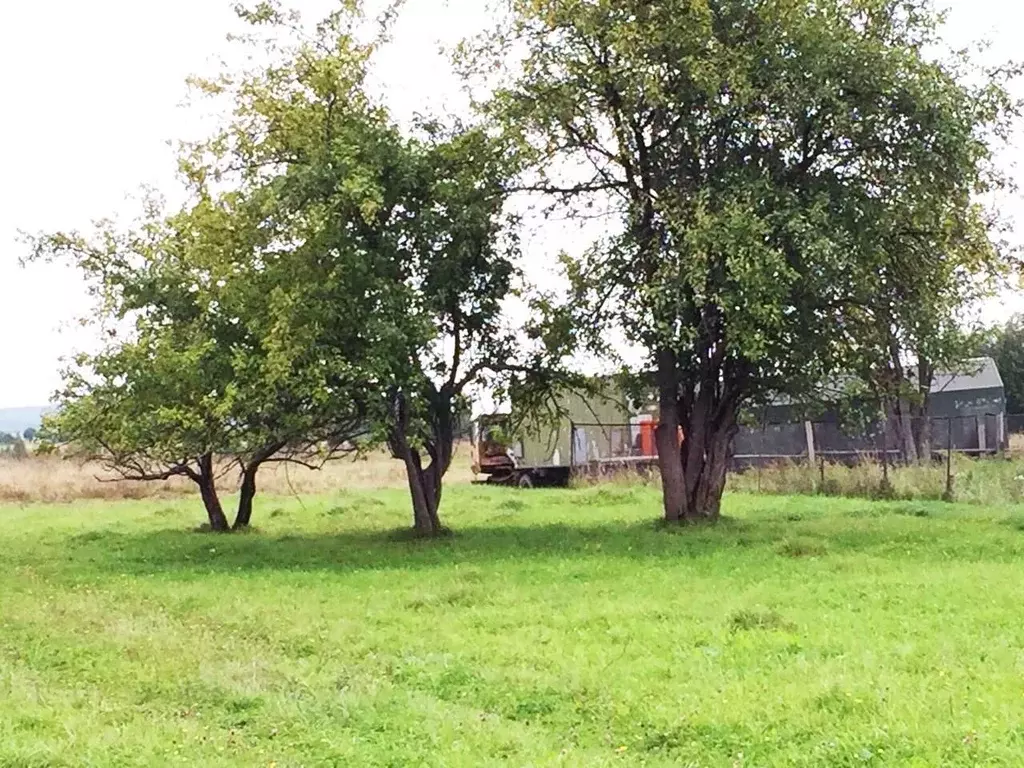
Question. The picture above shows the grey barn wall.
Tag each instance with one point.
(955, 417)
(974, 402)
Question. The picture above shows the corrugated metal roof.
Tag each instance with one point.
(976, 373)
(979, 373)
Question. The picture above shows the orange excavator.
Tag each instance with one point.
(492, 456)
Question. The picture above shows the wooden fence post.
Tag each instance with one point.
(948, 495)
(809, 432)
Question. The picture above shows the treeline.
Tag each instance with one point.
(8, 438)
(1005, 345)
(790, 191)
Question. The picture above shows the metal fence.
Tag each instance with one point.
(884, 441)
(891, 439)
(880, 459)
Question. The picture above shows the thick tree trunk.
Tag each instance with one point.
(693, 473)
(247, 493)
(670, 464)
(208, 490)
(716, 469)
(923, 432)
(424, 498)
(906, 427)
(426, 483)
(904, 424)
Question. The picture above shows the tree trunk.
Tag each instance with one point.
(907, 442)
(887, 412)
(247, 493)
(423, 517)
(922, 411)
(716, 469)
(693, 473)
(904, 425)
(426, 484)
(923, 432)
(208, 491)
(666, 436)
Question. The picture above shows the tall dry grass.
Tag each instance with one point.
(990, 480)
(52, 479)
(986, 480)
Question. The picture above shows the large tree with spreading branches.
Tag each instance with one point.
(769, 170)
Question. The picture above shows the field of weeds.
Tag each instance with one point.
(52, 479)
(989, 480)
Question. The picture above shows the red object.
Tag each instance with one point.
(647, 445)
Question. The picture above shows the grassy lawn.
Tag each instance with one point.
(555, 628)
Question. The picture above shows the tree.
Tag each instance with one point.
(139, 409)
(462, 272)
(412, 222)
(1005, 345)
(211, 376)
(29, 434)
(930, 267)
(19, 450)
(754, 157)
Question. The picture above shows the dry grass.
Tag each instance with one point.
(988, 480)
(51, 479)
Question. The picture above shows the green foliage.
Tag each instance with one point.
(331, 275)
(224, 340)
(397, 242)
(321, 639)
(793, 185)
(199, 364)
(1006, 347)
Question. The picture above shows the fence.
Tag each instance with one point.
(835, 459)
(808, 440)
(887, 442)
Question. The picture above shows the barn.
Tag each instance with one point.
(968, 414)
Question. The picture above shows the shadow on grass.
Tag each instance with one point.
(185, 552)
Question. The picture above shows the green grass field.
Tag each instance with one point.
(554, 628)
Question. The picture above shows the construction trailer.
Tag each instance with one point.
(592, 433)
(601, 432)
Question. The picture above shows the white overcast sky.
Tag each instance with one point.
(92, 94)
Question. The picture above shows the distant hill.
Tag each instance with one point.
(14, 421)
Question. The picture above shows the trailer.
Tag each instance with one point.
(593, 435)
